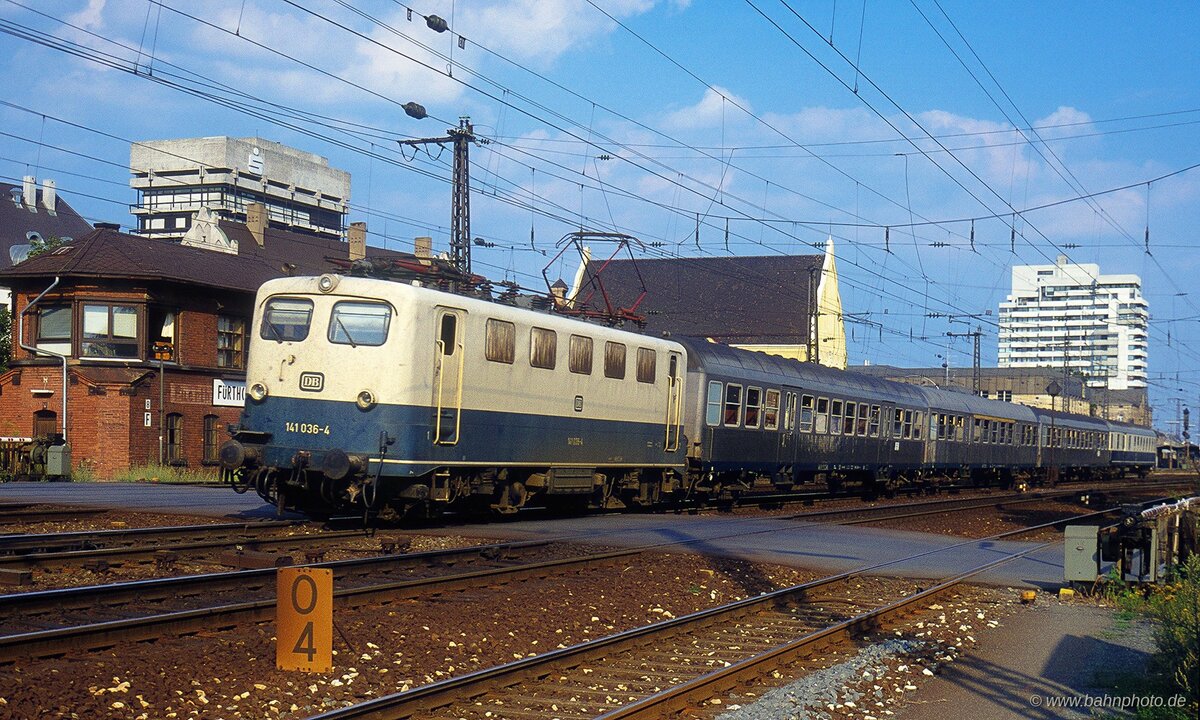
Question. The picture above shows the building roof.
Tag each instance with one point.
(108, 254)
(736, 300)
(17, 220)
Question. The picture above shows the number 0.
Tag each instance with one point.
(312, 599)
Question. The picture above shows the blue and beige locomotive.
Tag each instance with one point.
(389, 397)
(375, 393)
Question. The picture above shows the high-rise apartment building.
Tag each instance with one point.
(177, 179)
(1069, 316)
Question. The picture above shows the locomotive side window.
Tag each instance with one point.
(733, 405)
(835, 422)
(614, 360)
(647, 365)
(874, 425)
(771, 410)
(712, 410)
(360, 323)
(822, 418)
(543, 348)
(447, 332)
(579, 355)
(848, 423)
(500, 341)
(806, 413)
(286, 319)
(753, 404)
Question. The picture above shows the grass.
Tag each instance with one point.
(166, 474)
(1174, 608)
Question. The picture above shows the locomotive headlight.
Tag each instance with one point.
(327, 283)
(257, 392)
(365, 400)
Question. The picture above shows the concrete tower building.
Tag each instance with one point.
(1071, 317)
(215, 178)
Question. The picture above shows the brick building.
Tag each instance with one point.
(152, 336)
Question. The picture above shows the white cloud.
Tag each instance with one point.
(718, 105)
(90, 17)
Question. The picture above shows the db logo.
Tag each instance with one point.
(312, 382)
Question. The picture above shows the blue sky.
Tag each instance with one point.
(741, 112)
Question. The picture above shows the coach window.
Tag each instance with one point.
(835, 417)
(110, 331)
(712, 411)
(174, 439)
(771, 410)
(647, 365)
(361, 323)
(873, 428)
(848, 425)
(995, 432)
(733, 405)
(897, 423)
(543, 348)
(286, 319)
(614, 360)
(860, 427)
(822, 418)
(918, 424)
(908, 424)
(806, 414)
(54, 329)
(500, 341)
(753, 405)
(579, 355)
(960, 429)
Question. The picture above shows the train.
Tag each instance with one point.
(396, 399)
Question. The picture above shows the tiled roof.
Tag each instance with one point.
(106, 253)
(16, 221)
(736, 300)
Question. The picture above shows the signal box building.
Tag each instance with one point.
(152, 338)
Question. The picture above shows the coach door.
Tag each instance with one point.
(448, 364)
(788, 441)
(674, 403)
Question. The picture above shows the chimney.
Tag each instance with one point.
(30, 185)
(423, 247)
(49, 196)
(358, 240)
(256, 221)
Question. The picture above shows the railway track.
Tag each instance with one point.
(58, 621)
(25, 514)
(660, 669)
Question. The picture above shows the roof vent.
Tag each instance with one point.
(19, 253)
(16, 195)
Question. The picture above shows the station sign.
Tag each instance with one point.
(228, 393)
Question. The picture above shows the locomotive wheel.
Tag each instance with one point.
(512, 497)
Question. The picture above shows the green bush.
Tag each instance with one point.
(1176, 611)
(167, 474)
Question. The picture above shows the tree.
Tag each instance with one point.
(41, 246)
(5, 338)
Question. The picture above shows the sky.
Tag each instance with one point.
(938, 142)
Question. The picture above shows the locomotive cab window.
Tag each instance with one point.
(733, 405)
(712, 411)
(360, 323)
(500, 341)
(543, 348)
(286, 319)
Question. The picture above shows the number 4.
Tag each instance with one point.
(304, 643)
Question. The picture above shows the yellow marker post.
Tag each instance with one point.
(304, 619)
